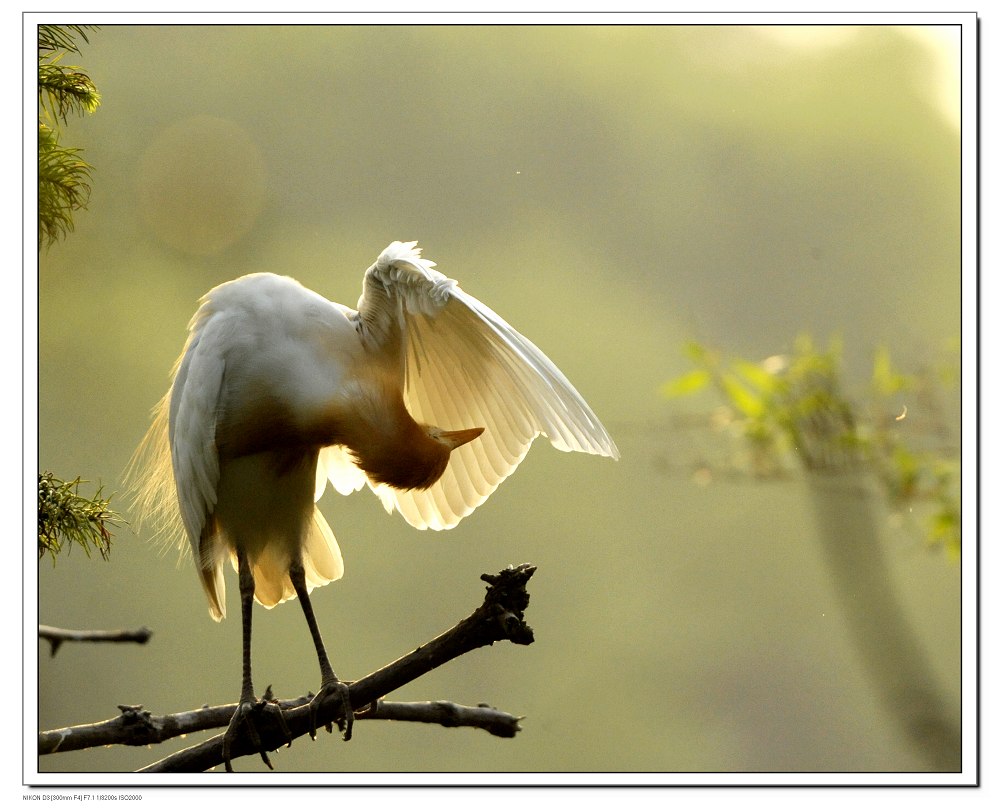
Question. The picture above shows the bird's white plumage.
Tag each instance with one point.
(197, 388)
(335, 465)
(272, 374)
(250, 338)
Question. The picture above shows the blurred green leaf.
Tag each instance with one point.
(945, 530)
(696, 353)
(885, 380)
(687, 384)
(742, 397)
(756, 374)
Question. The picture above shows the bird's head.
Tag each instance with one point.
(415, 460)
(434, 456)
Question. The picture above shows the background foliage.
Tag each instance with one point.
(62, 90)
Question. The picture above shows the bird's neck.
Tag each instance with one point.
(397, 451)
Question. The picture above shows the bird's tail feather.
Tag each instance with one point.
(214, 584)
(321, 560)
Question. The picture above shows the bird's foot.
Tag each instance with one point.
(340, 690)
(248, 714)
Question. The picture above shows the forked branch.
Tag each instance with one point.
(499, 618)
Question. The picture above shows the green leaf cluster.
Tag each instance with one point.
(63, 176)
(792, 410)
(66, 518)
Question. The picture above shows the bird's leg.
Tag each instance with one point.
(330, 684)
(249, 706)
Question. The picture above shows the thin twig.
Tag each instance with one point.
(57, 635)
(447, 714)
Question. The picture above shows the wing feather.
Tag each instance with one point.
(467, 367)
(194, 402)
(336, 465)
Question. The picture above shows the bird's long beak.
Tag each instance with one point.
(456, 438)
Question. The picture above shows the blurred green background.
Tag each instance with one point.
(612, 192)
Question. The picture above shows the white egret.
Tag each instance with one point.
(278, 391)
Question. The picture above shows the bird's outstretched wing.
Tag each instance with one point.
(467, 367)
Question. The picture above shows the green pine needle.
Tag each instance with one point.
(66, 518)
(63, 176)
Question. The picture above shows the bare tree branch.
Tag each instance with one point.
(57, 635)
(136, 726)
(499, 618)
(447, 714)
